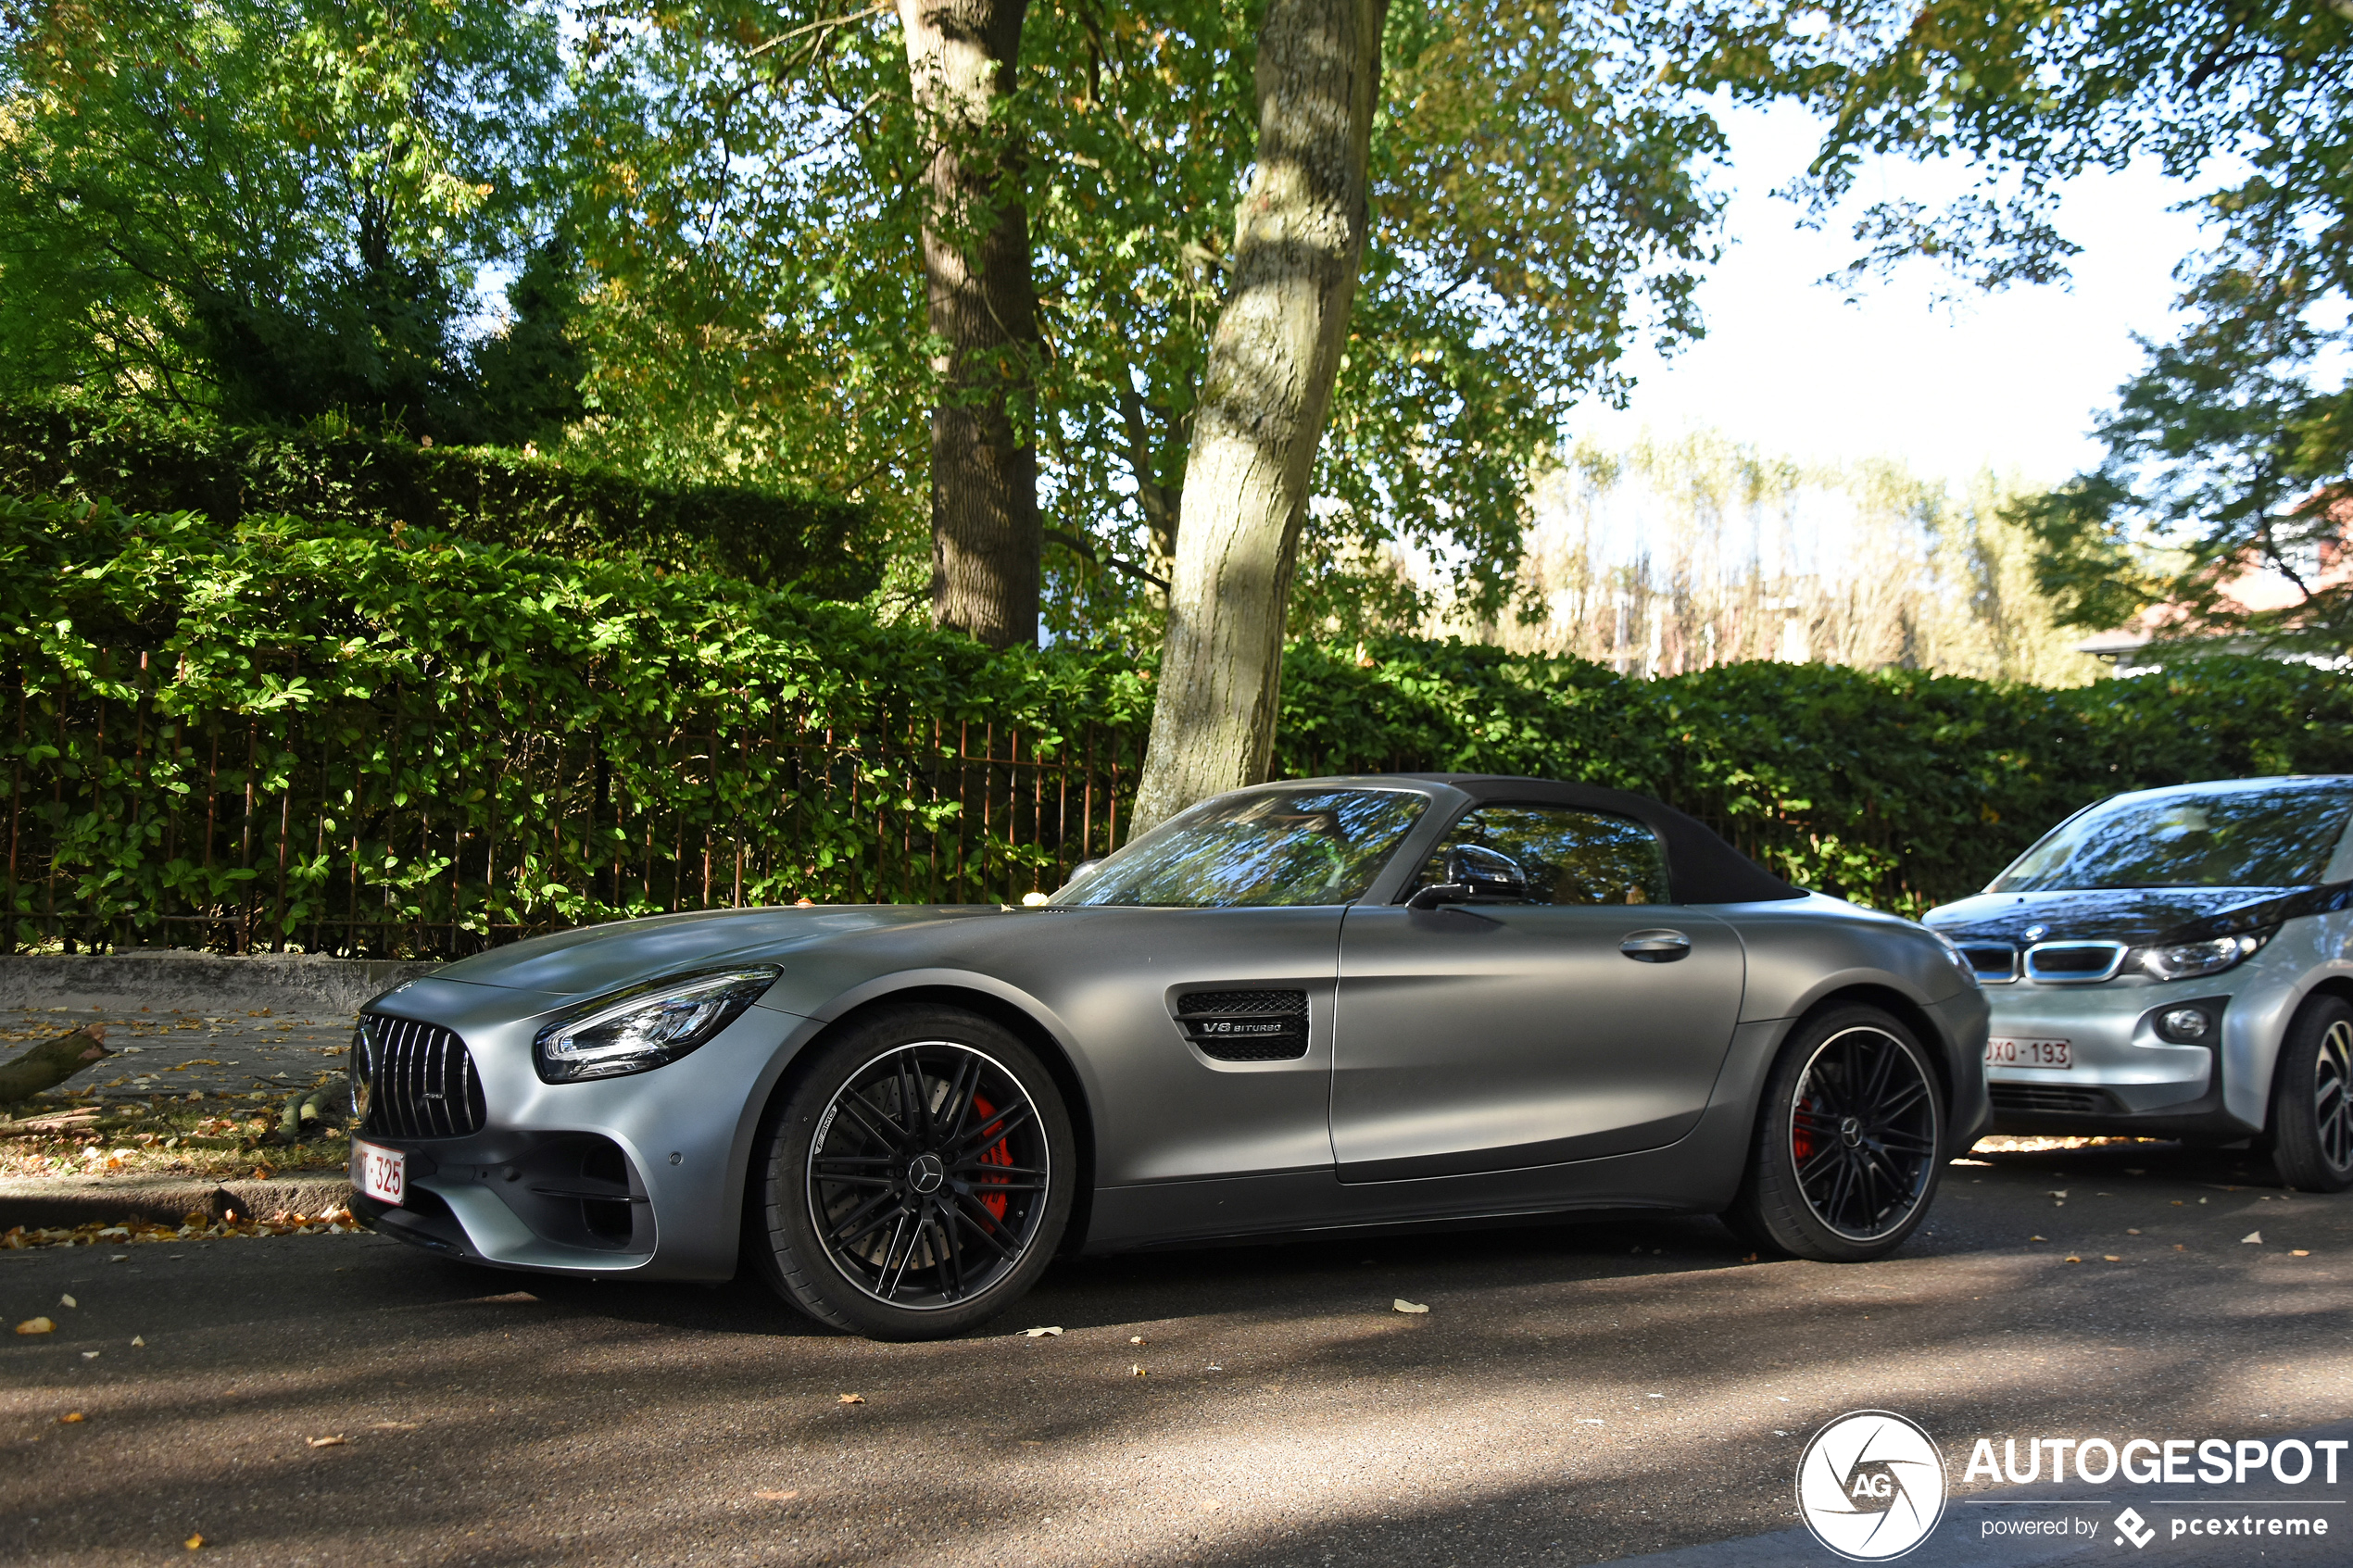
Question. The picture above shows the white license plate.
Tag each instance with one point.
(383, 1172)
(2030, 1053)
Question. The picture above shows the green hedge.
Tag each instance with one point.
(315, 733)
(142, 463)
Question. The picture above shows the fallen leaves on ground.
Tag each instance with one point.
(2300, 1252)
(1401, 1305)
(334, 1222)
(336, 1442)
(2255, 1236)
(775, 1496)
(193, 1543)
(851, 1399)
(1043, 1333)
(36, 1326)
(73, 1418)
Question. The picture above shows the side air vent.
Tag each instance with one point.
(1245, 1025)
(418, 1078)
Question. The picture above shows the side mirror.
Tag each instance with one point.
(1473, 872)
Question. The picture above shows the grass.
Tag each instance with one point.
(220, 1136)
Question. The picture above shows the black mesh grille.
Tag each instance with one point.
(1246, 1026)
(2048, 1101)
(420, 1081)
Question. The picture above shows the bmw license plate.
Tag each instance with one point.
(383, 1172)
(2029, 1053)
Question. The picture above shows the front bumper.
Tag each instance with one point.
(638, 1175)
(2124, 1077)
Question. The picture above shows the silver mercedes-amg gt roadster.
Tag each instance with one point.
(1329, 1004)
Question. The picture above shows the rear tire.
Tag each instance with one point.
(1849, 1141)
(917, 1177)
(2311, 1130)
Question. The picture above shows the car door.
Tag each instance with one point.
(1586, 1020)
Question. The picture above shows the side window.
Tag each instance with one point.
(1570, 856)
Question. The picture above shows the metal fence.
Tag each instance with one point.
(422, 822)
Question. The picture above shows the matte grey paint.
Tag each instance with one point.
(1187, 1147)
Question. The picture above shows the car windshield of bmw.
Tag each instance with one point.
(2280, 836)
(1258, 851)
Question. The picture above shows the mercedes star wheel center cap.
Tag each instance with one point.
(925, 1172)
(1851, 1130)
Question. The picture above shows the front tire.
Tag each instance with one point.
(1849, 1142)
(918, 1176)
(2311, 1131)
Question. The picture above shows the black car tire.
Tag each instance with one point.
(916, 1178)
(2311, 1130)
(1849, 1141)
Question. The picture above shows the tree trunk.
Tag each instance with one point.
(52, 1062)
(1299, 238)
(985, 533)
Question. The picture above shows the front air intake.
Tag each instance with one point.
(419, 1079)
(1245, 1025)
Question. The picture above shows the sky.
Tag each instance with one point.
(2011, 379)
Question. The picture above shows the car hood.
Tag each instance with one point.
(2118, 914)
(605, 957)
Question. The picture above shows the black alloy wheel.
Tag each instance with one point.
(919, 1178)
(2311, 1132)
(1849, 1141)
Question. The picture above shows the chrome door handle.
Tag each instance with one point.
(1656, 946)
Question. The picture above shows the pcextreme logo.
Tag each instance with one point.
(1871, 1485)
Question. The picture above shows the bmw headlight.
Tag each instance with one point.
(2187, 960)
(647, 1026)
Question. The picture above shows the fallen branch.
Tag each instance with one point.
(52, 1062)
(64, 1121)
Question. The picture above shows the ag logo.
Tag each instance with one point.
(1871, 1485)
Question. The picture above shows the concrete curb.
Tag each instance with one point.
(53, 1202)
(298, 984)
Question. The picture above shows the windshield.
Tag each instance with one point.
(1258, 849)
(2277, 837)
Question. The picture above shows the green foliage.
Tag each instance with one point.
(273, 208)
(267, 733)
(310, 732)
(747, 212)
(2232, 451)
(336, 474)
(1895, 788)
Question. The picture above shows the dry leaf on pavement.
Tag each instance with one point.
(852, 1400)
(1401, 1305)
(36, 1326)
(1043, 1333)
(193, 1542)
(2255, 1236)
(334, 1442)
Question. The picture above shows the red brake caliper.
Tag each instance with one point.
(1801, 1140)
(995, 1154)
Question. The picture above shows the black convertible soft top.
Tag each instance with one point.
(1701, 866)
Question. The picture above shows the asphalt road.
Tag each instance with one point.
(1574, 1394)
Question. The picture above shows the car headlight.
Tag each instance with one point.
(1953, 952)
(645, 1026)
(2186, 960)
